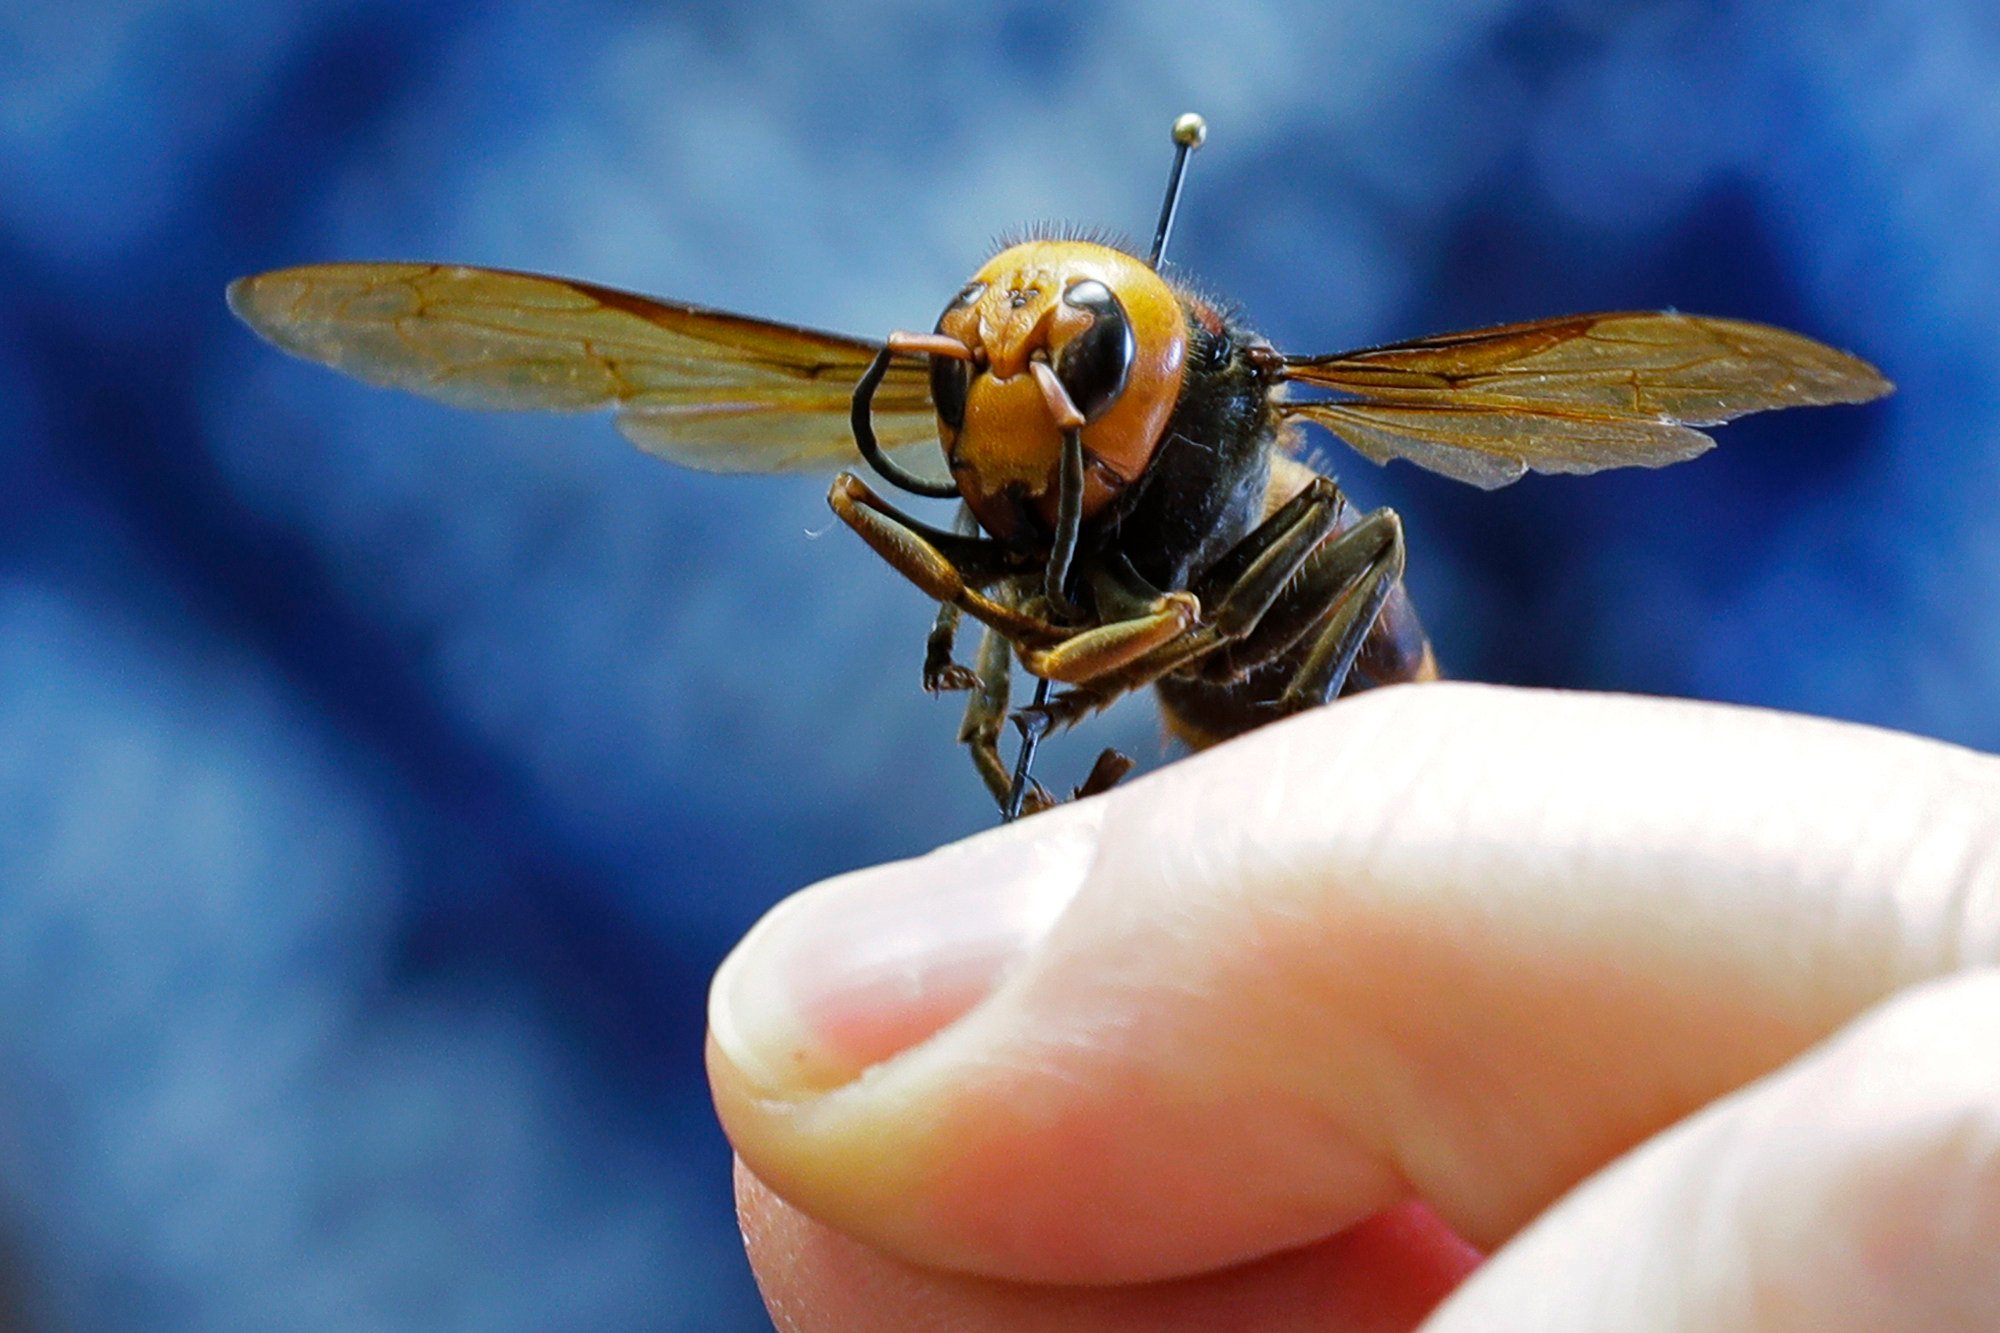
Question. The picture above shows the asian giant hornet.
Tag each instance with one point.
(1131, 509)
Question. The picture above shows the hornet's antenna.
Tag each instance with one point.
(1189, 131)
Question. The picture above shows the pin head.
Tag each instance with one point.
(1189, 131)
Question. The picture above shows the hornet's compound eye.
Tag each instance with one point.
(1095, 364)
(951, 379)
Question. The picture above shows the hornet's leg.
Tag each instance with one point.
(980, 731)
(1361, 569)
(1336, 605)
(941, 673)
(949, 568)
(1105, 774)
(1090, 654)
(1243, 585)
(1246, 582)
(1345, 610)
(952, 568)
(1394, 647)
(1397, 649)
(1318, 506)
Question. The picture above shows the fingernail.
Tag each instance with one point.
(847, 973)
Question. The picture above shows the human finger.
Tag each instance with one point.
(1456, 942)
(1855, 1191)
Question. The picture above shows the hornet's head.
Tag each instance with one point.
(1114, 334)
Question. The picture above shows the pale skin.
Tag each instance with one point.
(1690, 1015)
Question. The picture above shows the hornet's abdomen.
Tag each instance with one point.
(1114, 336)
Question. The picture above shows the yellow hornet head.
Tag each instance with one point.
(1113, 333)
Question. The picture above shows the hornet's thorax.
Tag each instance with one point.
(1061, 334)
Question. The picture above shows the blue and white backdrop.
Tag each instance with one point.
(379, 784)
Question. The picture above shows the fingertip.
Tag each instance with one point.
(845, 974)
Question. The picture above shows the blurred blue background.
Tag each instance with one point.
(379, 784)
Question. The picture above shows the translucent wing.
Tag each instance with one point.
(704, 388)
(1576, 394)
